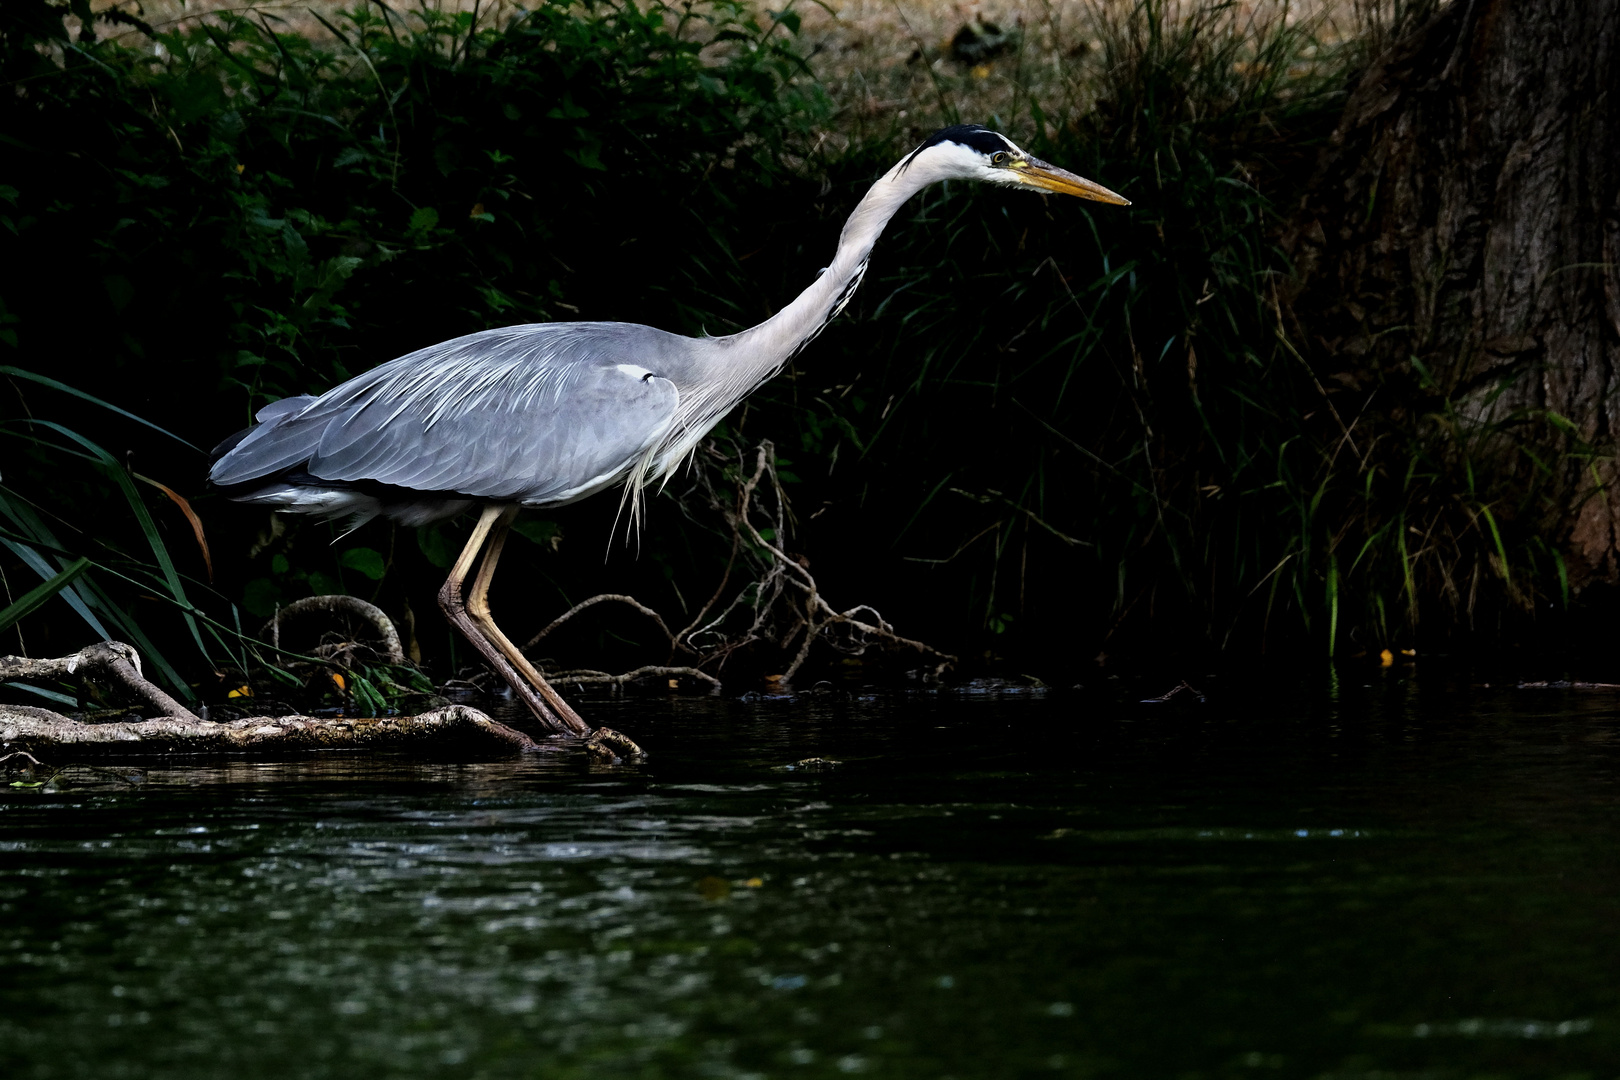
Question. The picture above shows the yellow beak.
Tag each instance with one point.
(1037, 173)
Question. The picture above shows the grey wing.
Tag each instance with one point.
(541, 414)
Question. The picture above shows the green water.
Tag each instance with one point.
(1399, 880)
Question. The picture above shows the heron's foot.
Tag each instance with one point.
(612, 745)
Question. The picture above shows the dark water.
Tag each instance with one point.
(1411, 879)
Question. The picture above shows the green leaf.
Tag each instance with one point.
(368, 700)
(365, 560)
(120, 290)
(261, 597)
(542, 531)
(438, 545)
(36, 597)
(424, 220)
(324, 584)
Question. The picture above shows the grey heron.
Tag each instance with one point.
(549, 413)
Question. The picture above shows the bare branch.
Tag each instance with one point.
(587, 676)
(762, 583)
(616, 597)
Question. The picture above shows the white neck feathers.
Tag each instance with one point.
(766, 347)
(727, 369)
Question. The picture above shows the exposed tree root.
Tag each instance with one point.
(387, 645)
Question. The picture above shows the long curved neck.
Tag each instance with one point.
(720, 372)
(772, 343)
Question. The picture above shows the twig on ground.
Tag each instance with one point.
(588, 676)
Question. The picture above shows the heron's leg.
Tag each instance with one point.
(478, 608)
(454, 606)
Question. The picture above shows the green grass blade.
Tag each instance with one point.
(1333, 604)
(41, 566)
(143, 516)
(48, 695)
(35, 598)
(19, 373)
(1501, 549)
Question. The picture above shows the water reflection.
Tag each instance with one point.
(1007, 887)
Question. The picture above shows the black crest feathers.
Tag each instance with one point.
(973, 136)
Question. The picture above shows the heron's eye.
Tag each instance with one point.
(1000, 157)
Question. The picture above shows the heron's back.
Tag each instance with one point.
(541, 415)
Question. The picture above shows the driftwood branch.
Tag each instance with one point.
(351, 606)
(111, 664)
(58, 737)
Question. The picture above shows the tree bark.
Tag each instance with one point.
(1467, 214)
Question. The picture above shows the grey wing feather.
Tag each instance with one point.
(535, 414)
(284, 407)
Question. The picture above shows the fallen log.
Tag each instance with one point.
(117, 666)
(60, 739)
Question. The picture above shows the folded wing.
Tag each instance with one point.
(534, 414)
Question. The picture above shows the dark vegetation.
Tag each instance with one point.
(1043, 431)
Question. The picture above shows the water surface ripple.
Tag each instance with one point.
(1399, 880)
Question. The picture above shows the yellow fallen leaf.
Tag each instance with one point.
(1386, 658)
(241, 691)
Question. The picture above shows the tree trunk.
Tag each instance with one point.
(1467, 215)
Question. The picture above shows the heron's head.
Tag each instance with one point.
(970, 152)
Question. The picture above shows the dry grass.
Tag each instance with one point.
(888, 65)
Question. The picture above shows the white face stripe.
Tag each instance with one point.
(954, 161)
(1012, 147)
